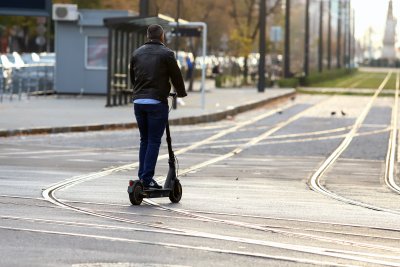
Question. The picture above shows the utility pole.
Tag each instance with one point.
(261, 65)
(349, 36)
(178, 14)
(307, 39)
(329, 36)
(339, 35)
(144, 8)
(321, 39)
(353, 50)
(345, 32)
(287, 41)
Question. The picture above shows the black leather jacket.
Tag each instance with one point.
(151, 67)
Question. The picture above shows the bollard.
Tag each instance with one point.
(28, 91)
(19, 88)
(38, 82)
(1, 89)
(45, 79)
(11, 88)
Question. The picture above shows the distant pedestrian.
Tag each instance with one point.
(189, 71)
(216, 70)
(152, 66)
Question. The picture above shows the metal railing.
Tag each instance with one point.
(23, 82)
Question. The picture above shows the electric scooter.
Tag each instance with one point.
(172, 187)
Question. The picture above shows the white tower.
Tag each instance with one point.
(389, 51)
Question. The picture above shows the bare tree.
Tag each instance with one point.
(244, 14)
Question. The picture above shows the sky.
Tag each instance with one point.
(372, 13)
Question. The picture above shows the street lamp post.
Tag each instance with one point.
(178, 14)
(329, 36)
(353, 48)
(287, 41)
(307, 39)
(345, 33)
(321, 39)
(339, 35)
(261, 65)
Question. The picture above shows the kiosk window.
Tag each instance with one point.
(96, 52)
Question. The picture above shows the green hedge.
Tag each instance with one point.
(325, 75)
(316, 77)
(288, 82)
(223, 80)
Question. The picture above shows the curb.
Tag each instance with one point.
(118, 126)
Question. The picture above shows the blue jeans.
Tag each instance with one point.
(151, 120)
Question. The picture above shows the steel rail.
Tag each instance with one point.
(335, 253)
(313, 229)
(51, 197)
(315, 179)
(85, 177)
(272, 142)
(390, 170)
(125, 228)
(207, 249)
(355, 256)
(264, 228)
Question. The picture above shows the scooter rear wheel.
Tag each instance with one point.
(136, 197)
(176, 193)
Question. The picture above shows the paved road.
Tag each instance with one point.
(299, 184)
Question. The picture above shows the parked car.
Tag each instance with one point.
(5, 62)
(27, 72)
(6, 67)
(30, 58)
(48, 58)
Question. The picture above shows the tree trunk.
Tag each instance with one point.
(245, 70)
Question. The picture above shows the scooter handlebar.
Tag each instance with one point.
(173, 94)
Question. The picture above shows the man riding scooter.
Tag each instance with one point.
(152, 66)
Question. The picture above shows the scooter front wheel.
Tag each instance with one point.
(136, 197)
(176, 193)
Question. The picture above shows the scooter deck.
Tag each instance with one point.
(153, 193)
(150, 192)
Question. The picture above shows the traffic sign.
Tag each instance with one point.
(275, 35)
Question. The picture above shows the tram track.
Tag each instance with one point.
(257, 227)
(315, 180)
(371, 258)
(341, 148)
(167, 230)
(344, 145)
(310, 139)
(234, 152)
(316, 225)
(256, 140)
(214, 144)
(206, 249)
(390, 170)
(106, 171)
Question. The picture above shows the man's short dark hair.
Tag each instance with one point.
(155, 31)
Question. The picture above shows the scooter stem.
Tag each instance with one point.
(169, 143)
